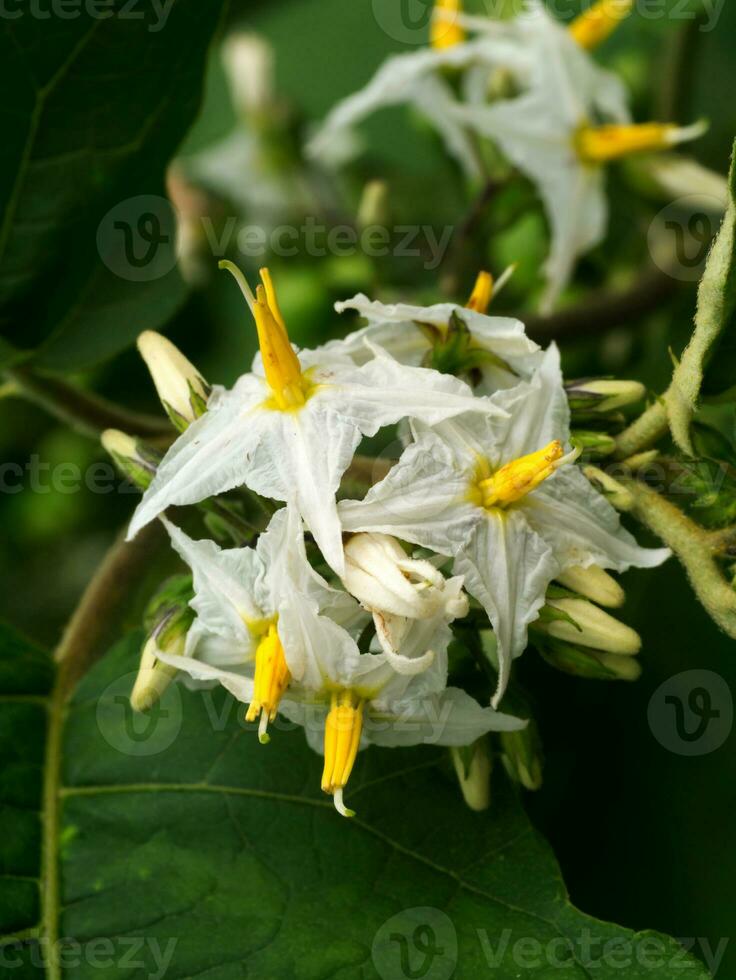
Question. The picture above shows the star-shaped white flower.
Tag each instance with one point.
(291, 432)
(492, 494)
(492, 351)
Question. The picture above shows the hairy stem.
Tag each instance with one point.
(650, 427)
(693, 547)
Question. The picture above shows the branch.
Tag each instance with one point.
(84, 412)
(605, 309)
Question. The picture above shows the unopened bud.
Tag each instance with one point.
(249, 65)
(589, 664)
(373, 207)
(168, 619)
(601, 395)
(153, 676)
(473, 765)
(135, 460)
(181, 388)
(617, 494)
(673, 176)
(522, 756)
(583, 623)
(592, 443)
(594, 583)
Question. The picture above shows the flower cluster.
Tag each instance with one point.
(330, 617)
(531, 88)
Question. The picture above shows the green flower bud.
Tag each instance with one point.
(598, 396)
(168, 619)
(584, 624)
(181, 388)
(473, 765)
(589, 664)
(593, 443)
(593, 583)
(522, 756)
(135, 460)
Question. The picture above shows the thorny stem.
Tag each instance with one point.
(80, 643)
(84, 412)
(695, 548)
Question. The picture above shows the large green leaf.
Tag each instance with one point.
(187, 848)
(96, 106)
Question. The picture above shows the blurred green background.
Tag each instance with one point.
(645, 837)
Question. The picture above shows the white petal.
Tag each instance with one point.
(239, 686)
(450, 718)
(224, 584)
(582, 528)
(421, 500)
(538, 412)
(211, 456)
(317, 650)
(507, 568)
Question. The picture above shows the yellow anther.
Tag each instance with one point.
(519, 477)
(598, 22)
(343, 729)
(482, 294)
(444, 30)
(280, 363)
(599, 144)
(271, 679)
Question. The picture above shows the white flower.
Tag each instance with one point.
(418, 79)
(239, 594)
(493, 351)
(491, 494)
(291, 433)
(555, 132)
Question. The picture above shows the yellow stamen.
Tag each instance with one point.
(271, 679)
(343, 729)
(519, 477)
(598, 22)
(280, 363)
(599, 144)
(444, 30)
(482, 294)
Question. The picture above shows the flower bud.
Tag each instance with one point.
(673, 176)
(584, 624)
(589, 664)
(373, 207)
(522, 756)
(617, 494)
(593, 443)
(168, 619)
(473, 765)
(135, 460)
(181, 388)
(249, 65)
(602, 395)
(593, 583)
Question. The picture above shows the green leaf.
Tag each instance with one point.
(716, 303)
(189, 848)
(100, 103)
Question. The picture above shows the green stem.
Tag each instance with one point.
(693, 547)
(80, 643)
(650, 427)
